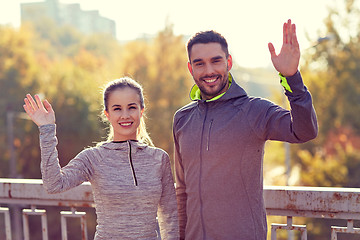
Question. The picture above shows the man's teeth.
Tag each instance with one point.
(210, 80)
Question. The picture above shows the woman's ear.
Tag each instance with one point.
(141, 112)
(107, 115)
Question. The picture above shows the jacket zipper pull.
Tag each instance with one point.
(131, 165)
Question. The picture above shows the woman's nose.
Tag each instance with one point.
(125, 114)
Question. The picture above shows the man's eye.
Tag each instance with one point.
(117, 109)
(199, 64)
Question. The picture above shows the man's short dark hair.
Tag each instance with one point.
(208, 37)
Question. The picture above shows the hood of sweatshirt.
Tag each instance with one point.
(234, 91)
(124, 145)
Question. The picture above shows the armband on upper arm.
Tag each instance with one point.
(284, 83)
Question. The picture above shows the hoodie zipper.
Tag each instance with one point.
(208, 136)
(131, 165)
(200, 173)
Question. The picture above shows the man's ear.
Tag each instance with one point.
(229, 62)
(190, 68)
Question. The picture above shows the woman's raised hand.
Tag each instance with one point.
(41, 113)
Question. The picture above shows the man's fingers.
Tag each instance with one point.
(271, 49)
(288, 32)
(285, 33)
(293, 37)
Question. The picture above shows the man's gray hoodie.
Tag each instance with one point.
(219, 149)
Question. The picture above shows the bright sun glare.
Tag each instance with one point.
(248, 26)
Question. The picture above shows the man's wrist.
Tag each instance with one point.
(284, 83)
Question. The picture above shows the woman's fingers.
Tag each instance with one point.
(28, 106)
(47, 106)
(39, 102)
(32, 104)
(41, 113)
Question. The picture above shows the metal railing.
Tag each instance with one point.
(309, 202)
(313, 202)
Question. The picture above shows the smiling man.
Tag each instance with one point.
(209, 66)
(220, 137)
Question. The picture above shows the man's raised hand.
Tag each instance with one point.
(287, 62)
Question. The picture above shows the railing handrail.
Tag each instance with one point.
(290, 201)
(16, 191)
(329, 199)
(290, 198)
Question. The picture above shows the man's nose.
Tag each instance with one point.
(209, 69)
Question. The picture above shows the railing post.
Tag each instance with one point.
(273, 232)
(38, 212)
(6, 213)
(73, 213)
(290, 228)
(289, 224)
(333, 234)
(63, 226)
(348, 229)
(17, 223)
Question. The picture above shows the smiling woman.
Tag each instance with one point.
(124, 113)
(123, 108)
(131, 181)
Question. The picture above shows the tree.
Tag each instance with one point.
(160, 66)
(332, 72)
(18, 71)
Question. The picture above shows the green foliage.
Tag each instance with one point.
(336, 62)
(70, 69)
(331, 70)
(18, 72)
(160, 66)
(332, 75)
(274, 163)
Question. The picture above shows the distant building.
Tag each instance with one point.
(88, 22)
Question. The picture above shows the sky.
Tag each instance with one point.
(248, 25)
